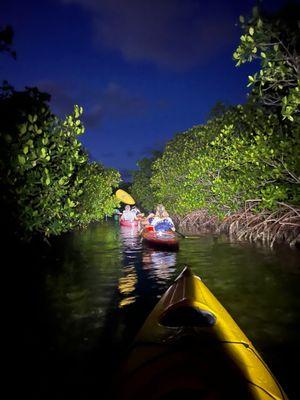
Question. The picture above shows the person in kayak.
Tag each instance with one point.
(150, 217)
(137, 212)
(116, 214)
(161, 221)
(146, 222)
(128, 215)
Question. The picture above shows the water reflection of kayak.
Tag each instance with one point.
(190, 347)
(128, 223)
(163, 240)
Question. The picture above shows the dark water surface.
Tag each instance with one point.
(95, 288)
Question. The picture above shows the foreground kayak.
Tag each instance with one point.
(162, 240)
(128, 223)
(190, 348)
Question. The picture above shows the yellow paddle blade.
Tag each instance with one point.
(124, 197)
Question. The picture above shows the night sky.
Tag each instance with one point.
(142, 69)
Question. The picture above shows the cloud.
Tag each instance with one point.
(63, 99)
(117, 101)
(114, 101)
(61, 96)
(93, 117)
(176, 34)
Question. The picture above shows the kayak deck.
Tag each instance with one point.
(190, 347)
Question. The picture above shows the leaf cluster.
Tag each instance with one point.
(273, 40)
(243, 152)
(241, 155)
(47, 185)
(140, 188)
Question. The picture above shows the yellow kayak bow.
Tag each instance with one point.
(124, 197)
(189, 347)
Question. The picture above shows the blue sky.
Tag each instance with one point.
(142, 69)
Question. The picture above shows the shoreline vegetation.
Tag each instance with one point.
(239, 173)
(205, 176)
(281, 226)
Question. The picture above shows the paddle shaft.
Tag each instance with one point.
(180, 234)
(187, 237)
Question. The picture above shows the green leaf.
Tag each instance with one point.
(70, 203)
(23, 129)
(21, 159)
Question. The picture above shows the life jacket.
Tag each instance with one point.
(128, 216)
(164, 225)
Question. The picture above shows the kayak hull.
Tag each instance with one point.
(190, 347)
(129, 224)
(160, 240)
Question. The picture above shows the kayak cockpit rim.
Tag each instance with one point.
(186, 315)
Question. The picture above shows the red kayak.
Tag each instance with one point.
(164, 240)
(128, 223)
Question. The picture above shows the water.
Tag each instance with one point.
(97, 287)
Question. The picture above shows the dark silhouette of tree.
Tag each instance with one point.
(6, 39)
(218, 110)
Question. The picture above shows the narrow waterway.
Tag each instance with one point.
(97, 286)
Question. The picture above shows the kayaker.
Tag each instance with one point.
(147, 220)
(150, 217)
(116, 214)
(137, 212)
(127, 214)
(162, 221)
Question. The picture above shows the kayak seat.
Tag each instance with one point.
(187, 316)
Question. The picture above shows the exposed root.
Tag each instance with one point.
(198, 221)
(269, 228)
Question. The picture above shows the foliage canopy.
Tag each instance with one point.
(245, 152)
(47, 184)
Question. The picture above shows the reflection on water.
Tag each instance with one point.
(127, 286)
(142, 265)
(161, 264)
(106, 282)
(131, 247)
